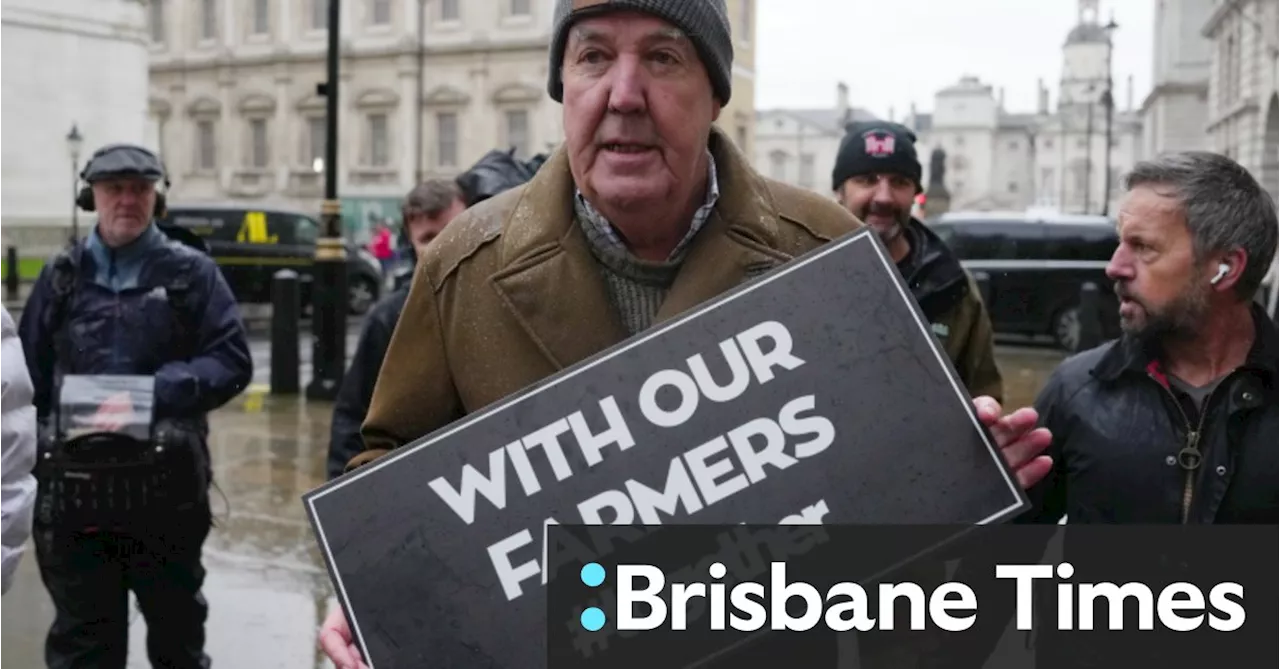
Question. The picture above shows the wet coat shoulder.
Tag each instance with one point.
(807, 219)
(467, 236)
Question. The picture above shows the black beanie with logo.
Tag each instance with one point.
(876, 147)
(706, 22)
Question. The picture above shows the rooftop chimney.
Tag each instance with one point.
(891, 118)
(1000, 100)
(842, 103)
(1130, 107)
(1042, 102)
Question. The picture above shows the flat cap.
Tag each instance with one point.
(116, 160)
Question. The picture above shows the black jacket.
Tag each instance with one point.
(1119, 437)
(952, 303)
(352, 403)
(1118, 432)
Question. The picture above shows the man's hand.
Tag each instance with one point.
(1019, 440)
(113, 413)
(335, 641)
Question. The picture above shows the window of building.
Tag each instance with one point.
(261, 17)
(1013, 187)
(449, 10)
(1014, 145)
(206, 145)
(156, 21)
(446, 139)
(1047, 143)
(259, 143)
(806, 170)
(518, 131)
(319, 14)
(208, 19)
(379, 142)
(380, 13)
(315, 140)
(778, 165)
(519, 7)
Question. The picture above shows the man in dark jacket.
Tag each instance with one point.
(426, 210)
(876, 177)
(1176, 421)
(128, 300)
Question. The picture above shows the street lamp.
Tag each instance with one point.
(329, 296)
(1108, 101)
(74, 142)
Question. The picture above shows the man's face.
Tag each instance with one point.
(1162, 289)
(638, 108)
(124, 206)
(882, 201)
(423, 228)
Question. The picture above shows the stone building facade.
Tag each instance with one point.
(50, 84)
(1242, 119)
(1176, 111)
(799, 146)
(1055, 157)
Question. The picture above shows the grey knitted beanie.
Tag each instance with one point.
(706, 22)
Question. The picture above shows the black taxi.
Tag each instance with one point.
(251, 243)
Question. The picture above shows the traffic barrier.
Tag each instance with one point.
(286, 312)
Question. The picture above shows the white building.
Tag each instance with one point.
(426, 89)
(1242, 119)
(799, 146)
(1002, 160)
(50, 84)
(1175, 113)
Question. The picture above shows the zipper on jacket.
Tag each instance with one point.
(1190, 457)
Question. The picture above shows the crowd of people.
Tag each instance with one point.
(644, 212)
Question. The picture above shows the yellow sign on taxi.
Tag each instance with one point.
(254, 229)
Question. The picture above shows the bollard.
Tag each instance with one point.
(12, 280)
(1089, 316)
(285, 323)
(984, 287)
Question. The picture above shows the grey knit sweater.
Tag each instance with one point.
(637, 288)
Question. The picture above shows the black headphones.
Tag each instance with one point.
(84, 199)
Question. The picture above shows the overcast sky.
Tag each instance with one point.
(895, 52)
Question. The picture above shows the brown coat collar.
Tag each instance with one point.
(552, 284)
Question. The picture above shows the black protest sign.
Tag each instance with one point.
(814, 394)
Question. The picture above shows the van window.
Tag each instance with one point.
(210, 224)
(306, 230)
(993, 240)
(1081, 242)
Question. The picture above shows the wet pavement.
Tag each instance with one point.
(266, 586)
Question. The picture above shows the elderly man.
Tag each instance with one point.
(130, 301)
(645, 212)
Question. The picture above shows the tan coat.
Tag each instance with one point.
(510, 294)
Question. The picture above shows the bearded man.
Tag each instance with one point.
(1175, 422)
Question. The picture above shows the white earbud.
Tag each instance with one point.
(1223, 268)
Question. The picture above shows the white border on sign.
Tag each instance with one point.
(831, 247)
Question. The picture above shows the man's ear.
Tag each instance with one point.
(1235, 262)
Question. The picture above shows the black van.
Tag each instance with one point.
(1035, 264)
(251, 243)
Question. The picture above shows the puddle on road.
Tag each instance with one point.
(267, 587)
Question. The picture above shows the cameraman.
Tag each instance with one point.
(127, 300)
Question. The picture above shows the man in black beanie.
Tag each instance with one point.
(876, 177)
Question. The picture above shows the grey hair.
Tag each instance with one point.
(1225, 207)
(431, 197)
